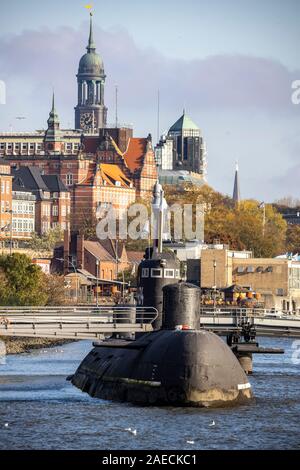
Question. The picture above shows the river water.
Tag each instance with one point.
(39, 409)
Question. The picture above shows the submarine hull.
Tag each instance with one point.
(166, 367)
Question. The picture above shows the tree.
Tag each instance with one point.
(293, 239)
(241, 226)
(47, 241)
(23, 281)
(54, 288)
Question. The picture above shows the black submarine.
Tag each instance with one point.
(178, 363)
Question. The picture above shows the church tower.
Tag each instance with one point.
(236, 186)
(90, 112)
(52, 139)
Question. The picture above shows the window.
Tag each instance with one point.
(269, 269)
(2, 187)
(259, 269)
(24, 146)
(69, 179)
(69, 146)
(250, 269)
(279, 292)
(7, 187)
(169, 273)
(46, 210)
(63, 211)
(31, 146)
(145, 272)
(9, 146)
(156, 272)
(55, 210)
(177, 273)
(240, 269)
(2, 146)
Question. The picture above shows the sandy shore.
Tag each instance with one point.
(21, 345)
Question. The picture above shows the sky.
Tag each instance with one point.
(229, 63)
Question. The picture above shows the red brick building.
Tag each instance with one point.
(101, 165)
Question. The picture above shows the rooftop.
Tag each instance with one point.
(183, 123)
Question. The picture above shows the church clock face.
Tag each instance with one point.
(86, 121)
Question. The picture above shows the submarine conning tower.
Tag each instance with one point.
(154, 274)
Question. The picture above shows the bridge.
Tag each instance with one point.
(90, 322)
(75, 322)
(266, 322)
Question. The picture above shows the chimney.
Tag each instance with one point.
(80, 251)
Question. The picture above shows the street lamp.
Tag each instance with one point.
(97, 276)
(215, 284)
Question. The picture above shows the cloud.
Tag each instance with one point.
(47, 58)
(212, 88)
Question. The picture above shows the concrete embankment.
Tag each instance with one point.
(20, 345)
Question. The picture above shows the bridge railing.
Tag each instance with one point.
(246, 312)
(75, 321)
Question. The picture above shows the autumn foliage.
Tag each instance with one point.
(246, 225)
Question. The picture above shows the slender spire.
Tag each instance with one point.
(53, 116)
(91, 45)
(53, 111)
(236, 188)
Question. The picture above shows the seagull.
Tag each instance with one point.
(132, 431)
(213, 423)
(190, 442)
(6, 425)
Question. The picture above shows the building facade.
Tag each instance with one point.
(51, 197)
(276, 279)
(5, 202)
(100, 165)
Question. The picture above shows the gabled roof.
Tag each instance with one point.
(134, 155)
(97, 250)
(183, 123)
(111, 246)
(54, 183)
(135, 257)
(112, 173)
(29, 178)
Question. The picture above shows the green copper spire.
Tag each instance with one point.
(53, 111)
(91, 45)
(53, 116)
